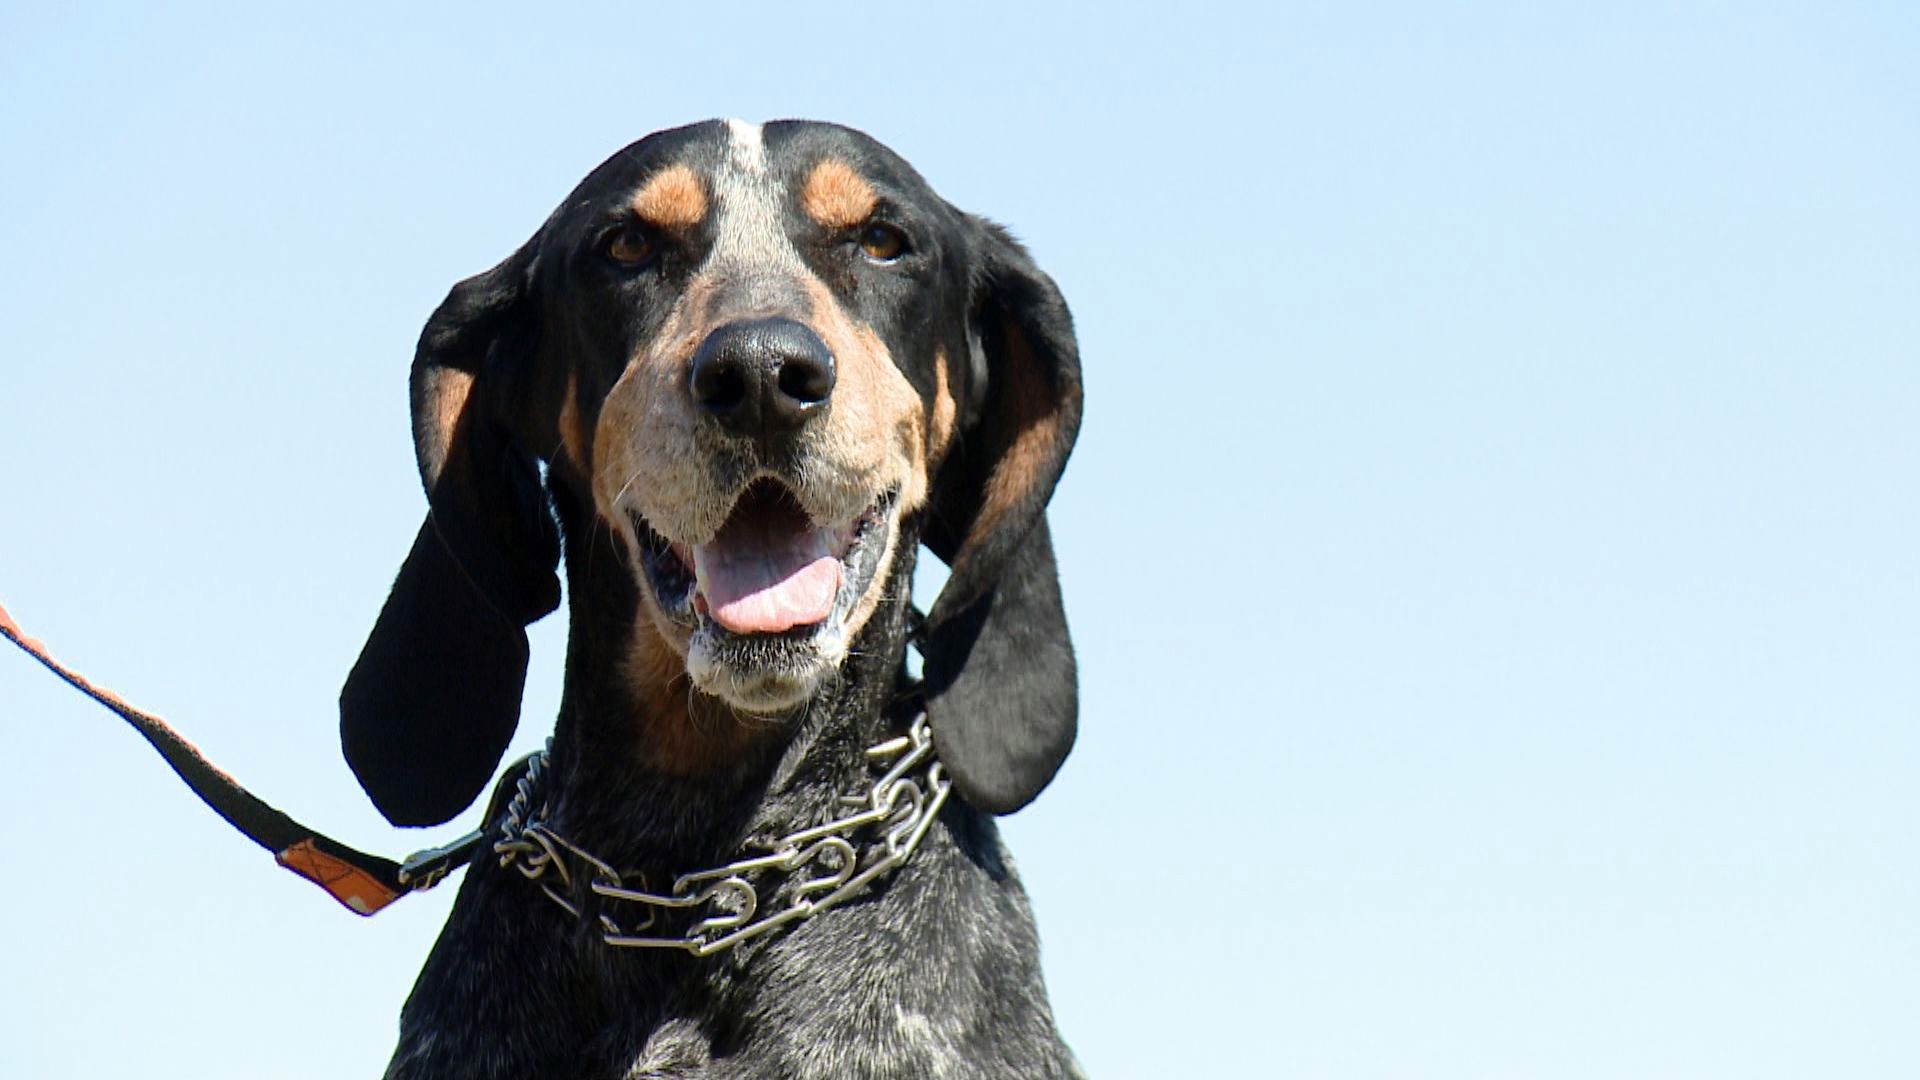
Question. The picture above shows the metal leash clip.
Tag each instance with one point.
(424, 869)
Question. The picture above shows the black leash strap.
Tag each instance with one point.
(364, 883)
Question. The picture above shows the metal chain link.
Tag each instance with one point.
(843, 857)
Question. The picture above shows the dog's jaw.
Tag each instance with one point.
(772, 665)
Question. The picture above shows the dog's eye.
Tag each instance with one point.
(882, 243)
(629, 245)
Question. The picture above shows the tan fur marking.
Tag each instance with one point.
(573, 434)
(672, 199)
(876, 415)
(836, 196)
(646, 425)
(445, 403)
(682, 733)
(944, 410)
(1030, 419)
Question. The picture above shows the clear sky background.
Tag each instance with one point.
(1493, 548)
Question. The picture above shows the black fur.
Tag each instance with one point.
(935, 971)
(1001, 687)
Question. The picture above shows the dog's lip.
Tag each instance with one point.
(670, 566)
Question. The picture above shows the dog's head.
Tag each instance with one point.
(757, 362)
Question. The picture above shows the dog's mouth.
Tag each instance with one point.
(767, 599)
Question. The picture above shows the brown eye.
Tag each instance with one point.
(883, 243)
(630, 245)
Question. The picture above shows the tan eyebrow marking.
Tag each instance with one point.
(672, 198)
(836, 196)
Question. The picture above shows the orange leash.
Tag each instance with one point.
(363, 883)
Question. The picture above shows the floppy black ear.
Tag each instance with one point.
(1001, 692)
(431, 704)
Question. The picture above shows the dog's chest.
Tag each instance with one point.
(895, 987)
(911, 1046)
(860, 997)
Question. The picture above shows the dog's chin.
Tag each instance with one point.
(767, 651)
(760, 675)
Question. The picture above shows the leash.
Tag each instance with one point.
(363, 883)
(884, 826)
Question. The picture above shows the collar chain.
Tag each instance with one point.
(818, 867)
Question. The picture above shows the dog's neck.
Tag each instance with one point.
(651, 775)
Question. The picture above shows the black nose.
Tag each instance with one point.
(763, 376)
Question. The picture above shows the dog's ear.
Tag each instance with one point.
(999, 672)
(431, 704)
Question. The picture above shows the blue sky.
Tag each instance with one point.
(1493, 548)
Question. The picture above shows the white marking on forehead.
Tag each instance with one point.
(752, 246)
(748, 151)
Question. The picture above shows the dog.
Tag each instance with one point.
(733, 383)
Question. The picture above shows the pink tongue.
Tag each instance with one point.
(767, 572)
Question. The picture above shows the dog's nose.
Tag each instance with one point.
(763, 376)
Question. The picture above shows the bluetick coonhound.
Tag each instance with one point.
(734, 382)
